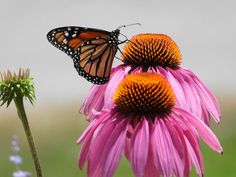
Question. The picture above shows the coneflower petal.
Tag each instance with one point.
(111, 87)
(96, 154)
(202, 128)
(195, 153)
(203, 86)
(114, 147)
(162, 148)
(197, 105)
(139, 150)
(86, 138)
(150, 168)
(187, 164)
(177, 88)
(179, 155)
(94, 100)
(208, 100)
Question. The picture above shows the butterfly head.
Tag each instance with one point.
(114, 41)
(116, 32)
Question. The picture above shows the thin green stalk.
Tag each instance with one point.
(23, 117)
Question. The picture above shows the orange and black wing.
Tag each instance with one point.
(69, 39)
(92, 50)
(94, 59)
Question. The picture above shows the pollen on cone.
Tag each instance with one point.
(151, 50)
(144, 93)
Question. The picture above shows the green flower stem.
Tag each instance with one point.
(22, 115)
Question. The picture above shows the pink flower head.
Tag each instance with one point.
(156, 53)
(144, 123)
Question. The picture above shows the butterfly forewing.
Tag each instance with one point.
(92, 50)
(110, 61)
(69, 39)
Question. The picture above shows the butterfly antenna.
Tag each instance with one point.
(132, 24)
(126, 39)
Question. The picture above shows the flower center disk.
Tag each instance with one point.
(152, 50)
(144, 93)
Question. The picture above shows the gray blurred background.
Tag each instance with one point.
(203, 29)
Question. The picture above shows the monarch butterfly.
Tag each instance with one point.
(92, 50)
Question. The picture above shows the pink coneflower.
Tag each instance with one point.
(156, 53)
(157, 137)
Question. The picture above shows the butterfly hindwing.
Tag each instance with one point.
(95, 57)
(92, 50)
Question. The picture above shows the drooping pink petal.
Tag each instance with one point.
(206, 115)
(129, 134)
(150, 168)
(197, 94)
(187, 163)
(203, 86)
(191, 140)
(190, 104)
(83, 155)
(96, 158)
(179, 153)
(162, 148)
(196, 105)
(94, 100)
(87, 137)
(178, 169)
(207, 135)
(208, 99)
(90, 129)
(139, 147)
(116, 78)
(127, 147)
(191, 150)
(107, 145)
(177, 88)
(115, 147)
(195, 153)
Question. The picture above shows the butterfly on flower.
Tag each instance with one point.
(92, 50)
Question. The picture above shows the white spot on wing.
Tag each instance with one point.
(65, 41)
